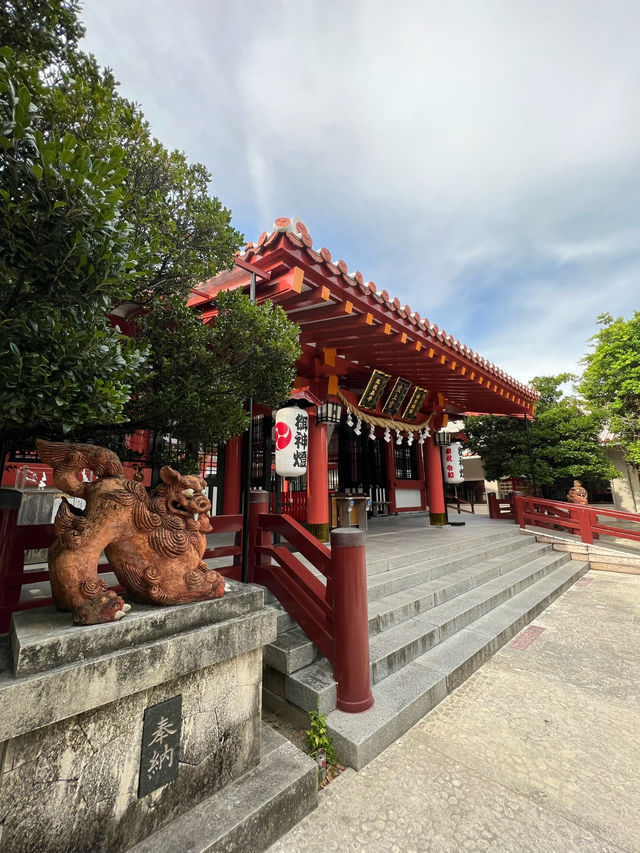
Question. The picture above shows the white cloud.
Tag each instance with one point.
(479, 160)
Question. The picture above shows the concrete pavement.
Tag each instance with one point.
(538, 751)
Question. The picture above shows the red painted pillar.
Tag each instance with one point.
(318, 480)
(584, 519)
(390, 461)
(518, 508)
(350, 620)
(422, 476)
(437, 512)
(232, 476)
(11, 555)
(258, 504)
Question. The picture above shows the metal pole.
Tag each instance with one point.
(248, 459)
(533, 472)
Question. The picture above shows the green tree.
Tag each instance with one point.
(47, 31)
(98, 219)
(66, 257)
(611, 380)
(201, 374)
(563, 437)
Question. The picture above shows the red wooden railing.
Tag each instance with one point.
(332, 613)
(293, 504)
(227, 524)
(15, 539)
(586, 522)
(453, 500)
(500, 507)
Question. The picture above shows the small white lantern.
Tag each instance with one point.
(452, 461)
(292, 439)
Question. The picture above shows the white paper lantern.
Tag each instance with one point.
(452, 461)
(292, 439)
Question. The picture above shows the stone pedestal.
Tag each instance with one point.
(73, 701)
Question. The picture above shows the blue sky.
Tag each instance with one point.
(480, 159)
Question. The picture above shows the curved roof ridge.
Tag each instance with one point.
(297, 233)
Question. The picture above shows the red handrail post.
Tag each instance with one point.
(11, 557)
(584, 520)
(350, 620)
(494, 511)
(258, 505)
(518, 506)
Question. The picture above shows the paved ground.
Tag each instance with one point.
(538, 751)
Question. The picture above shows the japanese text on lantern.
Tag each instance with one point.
(292, 439)
(453, 463)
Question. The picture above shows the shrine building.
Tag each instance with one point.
(378, 382)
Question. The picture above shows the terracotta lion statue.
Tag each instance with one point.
(577, 494)
(154, 543)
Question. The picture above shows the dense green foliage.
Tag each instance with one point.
(66, 257)
(611, 380)
(250, 351)
(96, 216)
(563, 437)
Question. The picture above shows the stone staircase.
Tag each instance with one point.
(435, 616)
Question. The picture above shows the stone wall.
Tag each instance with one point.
(69, 781)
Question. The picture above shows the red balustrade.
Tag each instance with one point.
(500, 507)
(333, 613)
(227, 524)
(15, 539)
(586, 522)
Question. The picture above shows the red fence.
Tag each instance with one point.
(14, 541)
(584, 521)
(227, 524)
(500, 507)
(293, 504)
(333, 613)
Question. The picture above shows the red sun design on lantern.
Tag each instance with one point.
(283, 435)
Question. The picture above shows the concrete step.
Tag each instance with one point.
(397, 607)
(285, 622)
(395, 580)
(250, 813)
(290, 651)
(395, 644)
(392, 649)
(408, 694)
(293, 650)
(433, 551)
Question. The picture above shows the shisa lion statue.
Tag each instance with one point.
(154, 543)
(577, 494)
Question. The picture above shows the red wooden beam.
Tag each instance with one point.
(245, 265)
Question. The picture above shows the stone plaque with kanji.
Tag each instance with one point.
(160, 745)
